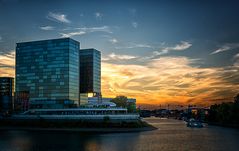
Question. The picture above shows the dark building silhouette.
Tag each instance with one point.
(90, 72)
(6, 95)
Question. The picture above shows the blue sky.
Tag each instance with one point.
(203, 34)
(207, 25)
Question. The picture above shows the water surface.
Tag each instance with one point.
(171, 135)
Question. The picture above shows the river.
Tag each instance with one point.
(171, 135)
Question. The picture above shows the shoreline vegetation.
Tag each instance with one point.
(76, 126)
(225, 114)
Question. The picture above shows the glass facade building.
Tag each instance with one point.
(90, 71)
(21, 102)
(49, 71)
(6, 94)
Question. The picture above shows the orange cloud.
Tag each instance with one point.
(7, 64)
(170, 80)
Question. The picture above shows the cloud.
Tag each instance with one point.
(7, 64)
(113, 40)
(236, 58)
(134, 45)
(184, 45)
(85, 30)
(98, 15)
(47, 28)
(59, 17)
(114, 56)
(110, 39)
(226, 47)
(96, 29)
(160, 81)
(170, 80)
(71, 34)
(158, 53)
(178, 47)
(134, 24)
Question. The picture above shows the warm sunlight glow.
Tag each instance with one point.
(167, 80)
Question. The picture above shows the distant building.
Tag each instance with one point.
(49, 71)
(6, 95)
(90, 72)
(94, 100)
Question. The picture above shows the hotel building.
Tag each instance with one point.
(90, 73)
(49, 70)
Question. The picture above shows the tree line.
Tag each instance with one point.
(226, 114)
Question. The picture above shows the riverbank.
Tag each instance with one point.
(76, 126)
(83, 130)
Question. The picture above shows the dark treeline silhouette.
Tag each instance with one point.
(225, 114)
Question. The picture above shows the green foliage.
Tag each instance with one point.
(236, 99)
(120, 101)
(131, 107)
(225, 113)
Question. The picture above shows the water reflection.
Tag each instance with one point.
(17, 143)
(50, 141)
(172, 135)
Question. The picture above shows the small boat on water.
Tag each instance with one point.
(194, 123)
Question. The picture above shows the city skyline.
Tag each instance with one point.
(157, 52)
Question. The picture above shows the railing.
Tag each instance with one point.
(79, 117)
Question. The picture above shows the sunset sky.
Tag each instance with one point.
(159, 52)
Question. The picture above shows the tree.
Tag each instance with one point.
(131, 107)
(236, 99)
(120, 101)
